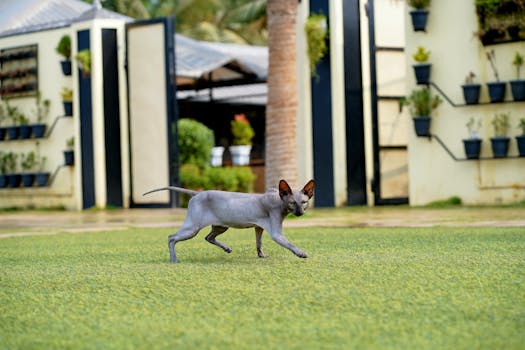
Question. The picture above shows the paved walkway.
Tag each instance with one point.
(26, 223)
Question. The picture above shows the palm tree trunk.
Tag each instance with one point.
(281, 109)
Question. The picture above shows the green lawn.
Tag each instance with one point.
(402, 288)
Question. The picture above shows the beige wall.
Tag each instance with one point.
(455, 51)
(66, 188)
(50, 82)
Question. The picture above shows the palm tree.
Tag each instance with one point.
(281, 108)
(131, 8)
(233, 21)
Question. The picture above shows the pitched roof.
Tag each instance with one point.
(26, 16)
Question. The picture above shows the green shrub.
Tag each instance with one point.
(236, 179)
(195, 143)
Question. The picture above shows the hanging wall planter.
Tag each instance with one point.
(518, 86)
(64, 49)
(421, 104)
(471, 90)
(12, 132)
(67, 101)
(42, 178)
(500, 141)
(520, 139)
(39, 130)
(422, 68)
(496, 89)
(419, 15)
(2, 133)
(472, 145)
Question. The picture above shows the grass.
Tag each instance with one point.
(384, 288)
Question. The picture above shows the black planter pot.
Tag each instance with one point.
(68, 108)
(41, 179)
(419, 20)
(520, 140)
(471, 93)
(422, 72)
(472, 148)
(39, 130)
(422, 125)
(66, 67)
(518, 90)
(2, 134)
(69, 157)
(25, 132)
(3, 181)
(497, 91)
(500, 146)
(12, 132)
(14, 180)
(28, 179)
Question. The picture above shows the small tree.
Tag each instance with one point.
(64, 47)
(500, 122)
(421, 55)
(518, 62)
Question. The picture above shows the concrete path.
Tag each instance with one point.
(28, 223)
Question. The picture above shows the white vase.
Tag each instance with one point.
(240, 154)
(216, 156)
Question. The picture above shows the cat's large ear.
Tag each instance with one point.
(308, 189)
(284, 189)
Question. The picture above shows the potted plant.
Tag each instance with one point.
(216, 156)
(242, 140)
(27, 163)
(496, 88)
(42, 112)
(419, 15)
(64, 49)
(316, 32)
(518, 86)
(500, 141)
(13, 129)
(24, 128)
(420, 104)
(67, 100)
(3, 118)
(69, 155)
(3, 170)
(471, 90)
(520, 139)
(422, 68)
(83, 58)
(41, 176)
(472, 145)
(13, 178)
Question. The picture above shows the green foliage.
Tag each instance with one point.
(3, 168)
(421, 55)
(195, 142)
(70, 143)
(64, 47)
(42, 108)
(518, 62)
(84, 60)
(235, 179)
(521, 125)
(362, 288)
(501, 124)
(242, 131)
(473, 126)
(10, 162)
(419, 4)
(449, 202)
(14, 114)
(67, 94)
(28, 161)
(316, 35)
(3, 113)
(421, 102)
